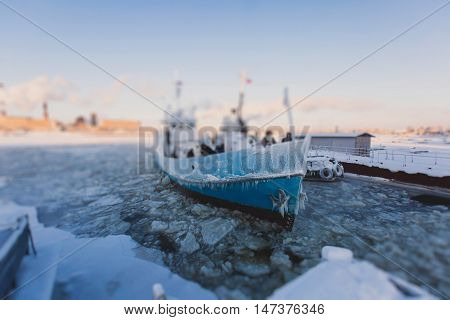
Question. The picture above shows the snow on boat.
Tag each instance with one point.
(263, 178)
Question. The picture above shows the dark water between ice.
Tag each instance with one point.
(94, 191)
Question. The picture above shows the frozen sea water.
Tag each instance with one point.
(95, 191)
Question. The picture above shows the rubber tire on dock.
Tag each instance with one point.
(338, 170)
(326, 174)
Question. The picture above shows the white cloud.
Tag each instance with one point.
(29, 94)
(109, 95)
(267, 110)
(336, 103)
(310, 111)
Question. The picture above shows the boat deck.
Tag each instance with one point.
(13, 247)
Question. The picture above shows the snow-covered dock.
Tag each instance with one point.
(411, 161)
(412, 165)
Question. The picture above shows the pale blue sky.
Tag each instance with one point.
(300, 44)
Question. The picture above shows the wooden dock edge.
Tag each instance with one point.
(414, 178)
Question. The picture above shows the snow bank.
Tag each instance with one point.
(341, 277)
(336, 254)
(431, 143)
(92, 268)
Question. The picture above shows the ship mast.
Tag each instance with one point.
(289, 110)
(244, 80)
(178, 86)
(242, 83)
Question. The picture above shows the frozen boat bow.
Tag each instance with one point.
(268, 178)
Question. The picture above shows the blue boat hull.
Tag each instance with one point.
(269, 179)
(253, 195)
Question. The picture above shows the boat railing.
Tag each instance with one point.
(275, 160)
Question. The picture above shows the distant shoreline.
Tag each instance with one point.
(65, 138)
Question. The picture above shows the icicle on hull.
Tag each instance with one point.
(246, 178)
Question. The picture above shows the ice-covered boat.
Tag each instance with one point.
(269, 179)
(266, 179)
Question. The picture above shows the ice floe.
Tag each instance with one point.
(113, 267)
(339, 276)
(3, 181)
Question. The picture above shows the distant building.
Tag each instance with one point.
(8, 123)
(355, 143)
(94, 120)
(119, 125)
(11, 123)
(45, 111)
(79, 124)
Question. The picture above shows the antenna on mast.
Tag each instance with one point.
(287, 105)
(178, 85)
(244, 80)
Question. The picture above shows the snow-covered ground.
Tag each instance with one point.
(114, 267)
(431, 143)
(434, 165)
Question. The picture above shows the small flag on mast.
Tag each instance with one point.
(244, 79)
